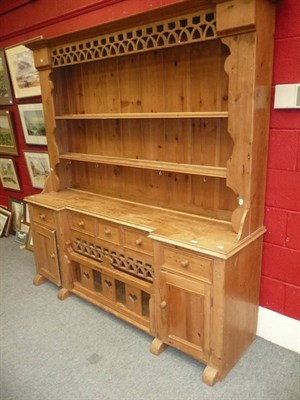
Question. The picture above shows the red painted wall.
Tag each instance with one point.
(280, 289)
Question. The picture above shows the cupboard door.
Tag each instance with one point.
(45, 252)
(185, 314)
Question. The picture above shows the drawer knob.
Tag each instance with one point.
(107, 231)
(163, 304)
(81, 224)
(42, 217)
(52, 256)
(184, 263)
(138, 242)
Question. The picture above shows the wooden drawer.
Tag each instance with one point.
(189, 264)
(109, 232)
(82, 223)
(138, 241)
(43, 216)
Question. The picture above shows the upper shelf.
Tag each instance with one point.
(204, 170)
(143, 115)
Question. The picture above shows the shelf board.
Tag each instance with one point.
(204, 170)
(157, 115)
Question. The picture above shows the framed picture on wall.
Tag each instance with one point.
(38, 167)
(8, 174)
(24, 76)
(5, 90)
(33, 124)
(17, 207)
(8, 143)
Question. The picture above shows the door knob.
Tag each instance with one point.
(163, 304)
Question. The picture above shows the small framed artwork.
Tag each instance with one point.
(22, 233)
(38, 167)
(24, 76)
(3, 222)
(8, 174)
(17, 207)
(24, 226)
(29, 241)
(5, 90)
(5, 215)
(33, 124)
(8, 143)
(27, 220)
(21, 237)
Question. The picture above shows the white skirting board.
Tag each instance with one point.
(279, 329)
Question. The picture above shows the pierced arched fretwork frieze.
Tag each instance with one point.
(173, 32)
(118, 261)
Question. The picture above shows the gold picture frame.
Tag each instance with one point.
(8, 144)
(17, 207)
(29, 241)
(5, 89)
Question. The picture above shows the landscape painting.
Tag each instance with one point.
(33, 124)
(5, 91)
(24, 76)
(8, 174)
(7, 138)
(38, 168)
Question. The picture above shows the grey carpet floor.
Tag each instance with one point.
(72, 350)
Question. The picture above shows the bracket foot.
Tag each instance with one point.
(39, 280)
(157, 346)
(63, 294)
(210, 375)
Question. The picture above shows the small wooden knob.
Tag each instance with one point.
(52, 256)
(184, 263)
(107, 231)
(42, 217)
(138, 242)
(81, 224)
(163, 304)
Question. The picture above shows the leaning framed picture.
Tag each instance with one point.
(8, 174)
(24, 76)
(5, 215)
(8, 143)
(5, 90)
(38, 167)
(33, 124)
(17, 207)
(3, 222)
(29, 241)
(22, 233)
(21, 237)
